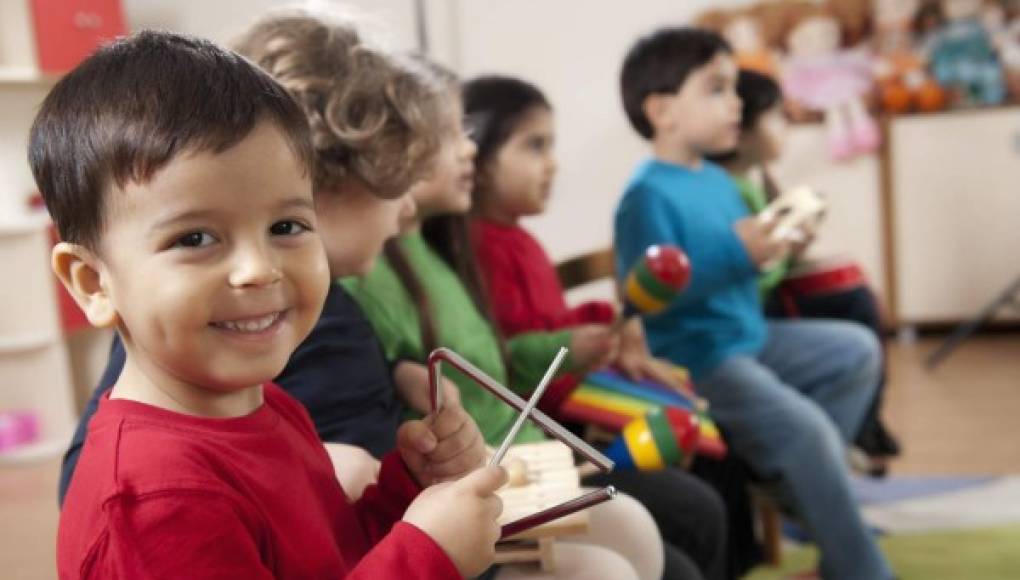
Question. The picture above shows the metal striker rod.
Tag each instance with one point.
(442, 354)
(516, 428)
(558, 511)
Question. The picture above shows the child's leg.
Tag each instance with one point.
(835, 364)
(689, 514)
(622, 542)
(781, 432)
(574, 562)
(625, 527)
(857, 305)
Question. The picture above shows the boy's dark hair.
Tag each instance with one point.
(494, 105)
(660, 64)
(758, 94)
(136, 104)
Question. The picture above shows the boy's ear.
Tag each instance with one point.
(81, 272)
(654, 109)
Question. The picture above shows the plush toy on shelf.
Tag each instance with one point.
(822, 74)
(963, 57)
(903, 81)
(744, 30)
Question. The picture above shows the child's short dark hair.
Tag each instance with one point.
(660, 63)
(136, 104)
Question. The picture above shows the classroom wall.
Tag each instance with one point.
(390, 23)
(571, 48)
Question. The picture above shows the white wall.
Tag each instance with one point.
(390, 23)
(571, 49)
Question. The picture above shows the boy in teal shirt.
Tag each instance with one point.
(788, 394)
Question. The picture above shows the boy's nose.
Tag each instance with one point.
(255, 266)
(469, 148)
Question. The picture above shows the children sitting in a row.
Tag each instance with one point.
(204, 254)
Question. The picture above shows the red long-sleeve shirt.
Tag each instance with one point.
(161, 494)
(526, 293)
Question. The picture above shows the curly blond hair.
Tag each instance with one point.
(372, 116)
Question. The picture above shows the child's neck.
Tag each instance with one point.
(741, 167)
(146, 383)
(490, 212)
(676, 153)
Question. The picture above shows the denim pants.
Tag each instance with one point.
(789, 412)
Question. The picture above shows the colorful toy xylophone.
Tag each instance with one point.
(635, 409)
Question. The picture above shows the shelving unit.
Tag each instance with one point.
(34, 370)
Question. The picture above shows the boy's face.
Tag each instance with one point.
(704, 115)
(213, 267)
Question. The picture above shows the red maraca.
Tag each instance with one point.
(655, 280)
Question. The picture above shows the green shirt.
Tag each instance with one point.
(461, 327)
(754, 198)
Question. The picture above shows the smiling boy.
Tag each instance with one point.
(179, 178)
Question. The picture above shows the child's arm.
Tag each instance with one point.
(530, 354)
(175, 534)
(515, 282)
(591, 312)
(647, 218)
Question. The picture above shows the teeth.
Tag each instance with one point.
(251, 324)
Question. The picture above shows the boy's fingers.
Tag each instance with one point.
(416, 435)
(455, 444)
(450, 420)
(485, 481)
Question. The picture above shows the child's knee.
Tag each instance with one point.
(812, 435)
(862, 353)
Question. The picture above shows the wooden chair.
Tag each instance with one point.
(600, 264)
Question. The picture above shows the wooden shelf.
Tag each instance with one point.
(23, 225)
(32, 452)
(28, 76)
(26, 342)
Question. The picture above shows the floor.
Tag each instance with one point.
(960, 419)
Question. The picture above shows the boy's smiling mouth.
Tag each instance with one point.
(251, 325)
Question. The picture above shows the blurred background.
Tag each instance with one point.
(930, 213)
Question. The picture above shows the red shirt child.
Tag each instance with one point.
(247, 497)
(526, 294)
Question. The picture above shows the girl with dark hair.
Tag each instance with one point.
(512, 124)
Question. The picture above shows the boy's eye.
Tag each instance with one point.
(287, 228)
(193, 240)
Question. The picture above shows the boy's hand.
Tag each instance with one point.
(757, 239)
(594, 345)
(443, 446)
(460, 516)
(412, 380)
(637, 363)
(355, 469)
